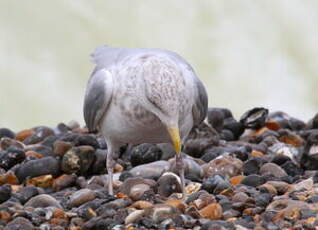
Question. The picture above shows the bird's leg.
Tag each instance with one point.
(175, 138)
(110, 163)
(180, 169)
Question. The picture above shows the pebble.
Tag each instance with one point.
(161, 212)
(224, 165)
(19, 223)
(145, 153)
(5, 132)
(212, 212)
(10, 157)
(5, 192)
(254, 118)
(42, 201)
(38, 167)
(134, 216)
(255, 173)
(168, 184)
(22, 135)
(151, 170)
(253, 180)
(26, 193)
(61, 147)
(80, 197)
(63, 181)
(6, 142)
(136, 187)
(215, 184)
(192, 169)
(272, 169)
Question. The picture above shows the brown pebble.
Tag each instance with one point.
(212, 211)
(5, 216)
(270, 188)
(80, 197)
(33, 154)
(6, 142)
(138, 190)
(272, 125)
(8, 178)
(240, 197)
(61, 147)
(63, 181)
(118, 168)
(178, 204)
(44, 181)
(59, 213)
(292, 140)
(225, 165)
(204, 200)
(236, 180)
(141, 204)
(255, 153)
(22, 135)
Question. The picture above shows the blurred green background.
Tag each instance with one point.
(248, 53)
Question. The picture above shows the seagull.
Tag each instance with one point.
(141, 95)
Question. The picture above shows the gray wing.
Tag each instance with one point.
(97, 98)
(200, 107)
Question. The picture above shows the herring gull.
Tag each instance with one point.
(138, 96)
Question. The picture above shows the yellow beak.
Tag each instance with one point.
(175, 137)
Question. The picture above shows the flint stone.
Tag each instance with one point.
(38, 167)
(151, 170)
(43, 201)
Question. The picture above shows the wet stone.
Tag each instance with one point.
(254, 118)
(61, 147)
(49, 141)
(168, 184)
(38, 167)
(80, 139)
(5, 193)
(227, 135)
(292, 169)
(218, 224)
(10, 157)
(253, 180)
(212, 153)
(5, 132)
(216, 118)
(215, 184)
(252, 166)
(40, 134)
(234, 126)
(99, 166)
(145, 153)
